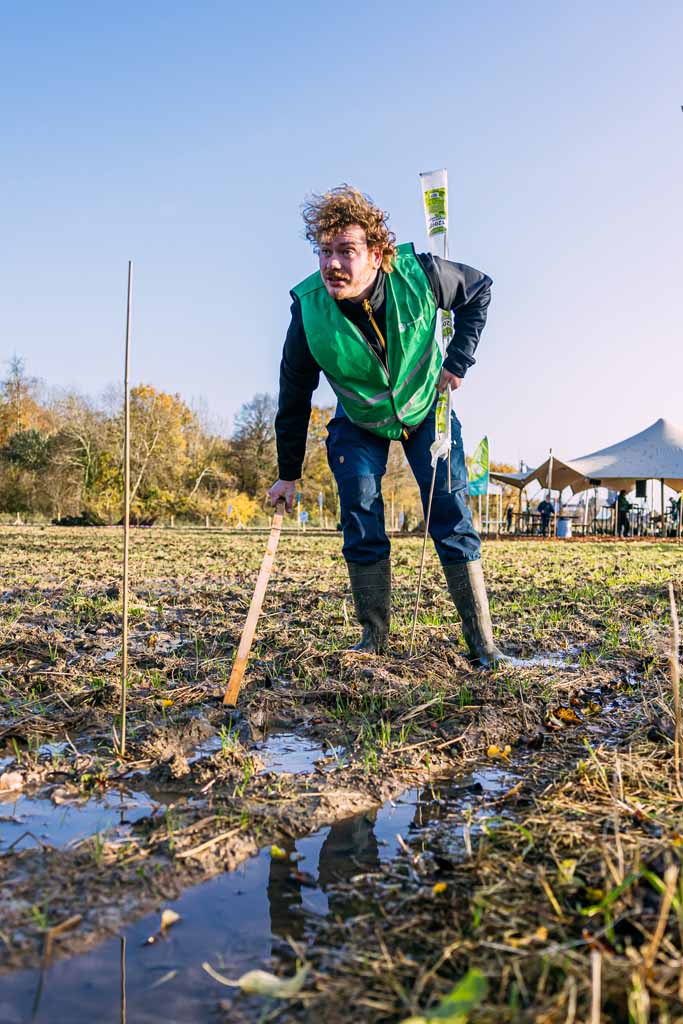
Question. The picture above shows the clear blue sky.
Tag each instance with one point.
(185, 136)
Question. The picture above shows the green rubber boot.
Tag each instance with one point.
(468, 592)
(371, 587)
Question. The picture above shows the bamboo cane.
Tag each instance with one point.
(126, 514)
(240, 663)
(675, 684)
(596, 986)
(422, 559)
(550, 488)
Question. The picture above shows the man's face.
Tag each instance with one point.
(348, 268)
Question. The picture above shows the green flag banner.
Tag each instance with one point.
(478, 475)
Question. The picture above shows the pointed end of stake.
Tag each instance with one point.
(232, 693)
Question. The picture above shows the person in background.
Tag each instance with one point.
(509, 512)
(623, 508)
(545, 510)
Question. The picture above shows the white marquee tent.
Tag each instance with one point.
(656, 453)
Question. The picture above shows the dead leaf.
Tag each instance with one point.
(277, 853)
(169, 976)
(261, 983)
(438, 888)
(567, 715)
(168, 918)
(565, 871)
(496, 754)
(11, 780)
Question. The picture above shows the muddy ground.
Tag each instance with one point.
(371, 807)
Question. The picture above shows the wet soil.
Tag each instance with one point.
(330, 757)
(237, 920)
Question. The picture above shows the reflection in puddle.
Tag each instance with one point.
(27, 821)
(280, 751)
(53, 748)
(290, 752)
(236, 921)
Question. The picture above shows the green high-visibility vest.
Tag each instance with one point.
(383, 403)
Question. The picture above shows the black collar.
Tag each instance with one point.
(352, 309)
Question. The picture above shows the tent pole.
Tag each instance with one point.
(553, 529)
(559, 508)
(661, 491)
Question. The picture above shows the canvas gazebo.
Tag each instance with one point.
(655, 453)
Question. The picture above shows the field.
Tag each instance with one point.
(390, 825)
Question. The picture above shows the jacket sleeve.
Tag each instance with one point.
(467, 292)
(299, 377)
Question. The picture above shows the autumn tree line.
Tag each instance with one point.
(61, 460)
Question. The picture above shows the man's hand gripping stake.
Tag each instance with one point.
(240, 663)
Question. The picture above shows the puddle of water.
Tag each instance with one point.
(549, 659)
(206, 748)
(107, 656)
(289, 752)
(53, 749)
(63, 824)
(237, 921)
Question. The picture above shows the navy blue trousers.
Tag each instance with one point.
(358, 460)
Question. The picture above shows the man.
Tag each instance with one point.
(367, 320)
(623, 508)
(545, 510)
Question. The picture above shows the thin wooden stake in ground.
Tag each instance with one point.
(422, 560)
(675, 684)
(596, 987)
(240, 663)
(126, 515)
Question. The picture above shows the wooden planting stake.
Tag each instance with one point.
(240, 663)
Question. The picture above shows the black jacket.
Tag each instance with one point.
(460, 288)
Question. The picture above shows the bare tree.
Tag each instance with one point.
(253, 457)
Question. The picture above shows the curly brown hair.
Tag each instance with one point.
(327, 214)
